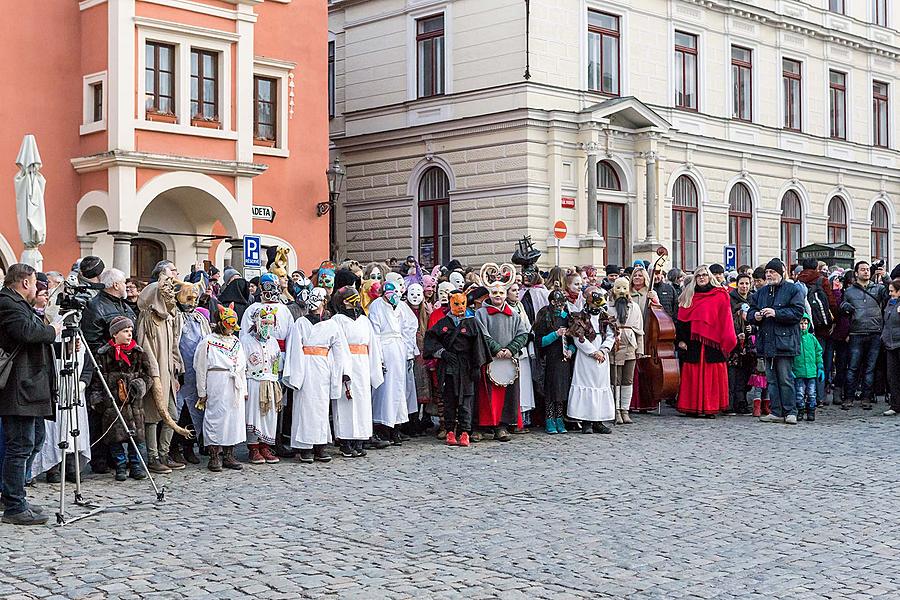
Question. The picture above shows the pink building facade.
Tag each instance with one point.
(161, 123)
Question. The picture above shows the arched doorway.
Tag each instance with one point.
(144, 256)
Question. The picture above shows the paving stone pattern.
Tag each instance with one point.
(666, 508)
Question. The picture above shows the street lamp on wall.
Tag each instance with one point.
(335, 175)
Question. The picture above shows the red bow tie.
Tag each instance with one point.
(493, 310)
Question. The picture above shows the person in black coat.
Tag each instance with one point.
(110, 303)
(237, 291)
(27, 397)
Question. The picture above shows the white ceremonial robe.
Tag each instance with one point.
(263, 364)
(221, 368)
(409, 326)
(51, 454)
(591, 396)
(316, 360)
(389, 405)
(526, 385)
(353, 418)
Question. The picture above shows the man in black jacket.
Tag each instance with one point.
(863, 302)
(95, 321)
(27, 398)
(668, 298)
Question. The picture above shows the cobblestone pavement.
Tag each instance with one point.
(666, 508)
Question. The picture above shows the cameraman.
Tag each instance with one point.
(28, 395)
(101, 310)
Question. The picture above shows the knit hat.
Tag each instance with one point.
(118, 324)
(229, 275)
(612, 269)
(810, 263)
(42, 284)
(776, 265)
(716, 269)
(91, 266)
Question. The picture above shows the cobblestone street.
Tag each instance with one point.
(666, 508)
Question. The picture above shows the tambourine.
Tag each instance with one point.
(503, 372)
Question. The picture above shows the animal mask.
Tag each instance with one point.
(595, 300)
(264, 322)
(457, 279)
(390, 293)
(326, 278)
(444, 290)
(270, 290)
(369, 290)
(458, 304)
(188, 294)
(280, 262)
(621, 288)
(397, 280)
(415, 294)
(347, 301)
(557, 299)
(167, 292)
(228, 319)
(316, 299)
(429, 285)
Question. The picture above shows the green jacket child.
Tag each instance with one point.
(808, 364)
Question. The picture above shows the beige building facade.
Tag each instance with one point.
(466, 124)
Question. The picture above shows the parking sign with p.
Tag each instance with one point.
(730, 258)
(252, 259)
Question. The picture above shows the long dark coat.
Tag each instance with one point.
(135, 380)
(32, 386)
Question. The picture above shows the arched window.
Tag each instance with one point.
(740, 223)
(434, 218)
(791, 227)
(684, 224)
(880, 228)
(607, 178)
(837, 221)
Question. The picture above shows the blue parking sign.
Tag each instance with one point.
(730, 258)
(252, 247)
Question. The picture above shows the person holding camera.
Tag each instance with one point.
(777, 309)
(863, 303)
(29, 390)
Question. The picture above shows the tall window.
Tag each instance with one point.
(97, 101)
(159, 72)
(880, 228)
(330, 80)
(430, 55)
(603, 53)
(879, 12)
(740, 223)
(612, 223)
(607, 178)
(204, 85)
(837, 93)
(742, 82)
(791, 227)
(793, 88)
(685, 218)
(880, 118)
(686, 71)
(836, 6)
(837, 221)
(434, 218)
(265, 109)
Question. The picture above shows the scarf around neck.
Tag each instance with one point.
(710, 317)
(122, 349)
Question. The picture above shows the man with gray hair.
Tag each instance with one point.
(163, 266)
(101, 310)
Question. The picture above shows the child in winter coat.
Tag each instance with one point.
(808, 368)
(126, 368)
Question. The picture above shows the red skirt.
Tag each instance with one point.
(704, 387)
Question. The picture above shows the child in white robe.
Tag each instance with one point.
(264, 397)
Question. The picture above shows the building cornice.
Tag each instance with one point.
(274, 63)
(165, 162)
(183, 28)
(213, 11)
(86, 4)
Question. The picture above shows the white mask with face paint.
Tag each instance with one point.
(457, 279)
(415, 294)
(397, 280)
(444, 289)
(316, 299)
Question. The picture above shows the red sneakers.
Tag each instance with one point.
(267, 454)
(451, 438)
(256, 457)
(464, 439)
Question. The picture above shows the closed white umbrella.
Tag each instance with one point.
(30, 186)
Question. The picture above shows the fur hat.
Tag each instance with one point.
(91, 266)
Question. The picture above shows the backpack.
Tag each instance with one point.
(818, 304)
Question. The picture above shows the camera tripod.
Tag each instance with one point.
(70, 365)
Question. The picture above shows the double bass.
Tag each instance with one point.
(659, 371)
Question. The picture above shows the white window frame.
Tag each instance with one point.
(616, 9)
(213, 40)
(429, 9)
(703, 96)
(847, 70)
(873, 77)
(804, 105)
(754, 47)
(88, 125)
(280, 71)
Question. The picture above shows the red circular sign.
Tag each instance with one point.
(559, 230)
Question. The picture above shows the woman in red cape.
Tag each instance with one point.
(705, 337)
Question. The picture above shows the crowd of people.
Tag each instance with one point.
(369, 356)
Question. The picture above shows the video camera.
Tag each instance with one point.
(75, 294)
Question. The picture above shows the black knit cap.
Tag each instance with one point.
(91, 266)
(716, 269)
(810, 263)
(776, 265)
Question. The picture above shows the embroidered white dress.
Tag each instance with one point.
(284, 320)
(389, 402)
(221, 368)
(316, 360)
(591, 396)
(409, 326)
(353, 417)
(263, 364)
